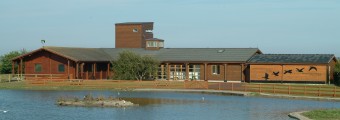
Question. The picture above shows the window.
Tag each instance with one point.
(61, 68)
(37, 67)
(152, 44)
(148, 31)
(215, 69)
(135, 30)
(194, 72)
(160, 44)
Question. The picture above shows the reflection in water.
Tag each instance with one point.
(150, 101)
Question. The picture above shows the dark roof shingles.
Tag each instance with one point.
(291, 58)
(165, 54)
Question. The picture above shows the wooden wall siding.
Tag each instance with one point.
(234, 72)
(202, 72)
(126, 38)
(258, 72)
(332, 65)
(211, 76)
(49, 63)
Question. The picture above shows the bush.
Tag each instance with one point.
(131, 66)
(337, 74)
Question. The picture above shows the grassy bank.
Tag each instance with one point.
(331, 114)
(23, 86)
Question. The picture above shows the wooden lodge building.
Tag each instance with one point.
(210, 64)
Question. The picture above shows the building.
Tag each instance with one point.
(210, 64)
(292, 68)
(221, 64)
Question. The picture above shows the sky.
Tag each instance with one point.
(273, 26)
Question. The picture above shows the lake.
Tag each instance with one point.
(40, 105)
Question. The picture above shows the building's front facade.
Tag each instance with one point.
(292, 68)
(210, 64)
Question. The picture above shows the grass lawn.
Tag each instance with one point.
(331, 114)
(89, 85)
(23, 86)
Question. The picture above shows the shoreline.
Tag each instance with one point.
(298, 115)
(239, 93)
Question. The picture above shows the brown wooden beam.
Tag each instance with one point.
(225, 72)
(21, 67)
(82, 70)
(18, 69)
(68, 69)
(187, 71)
(77, 70)
(108, 70)
(13, 67)
(205, 71)
(168, 71)
(94, 70)
(242, 72)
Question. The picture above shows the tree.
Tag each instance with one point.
(130, 66)
(6, 63)
(337, 73)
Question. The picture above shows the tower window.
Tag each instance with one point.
(135, 30)
(148, 31)
(152, 44)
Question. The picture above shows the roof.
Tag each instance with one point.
(134, 23)
(292, 58)
(164, 54)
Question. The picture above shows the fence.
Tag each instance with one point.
(10, 77)
(290, 89)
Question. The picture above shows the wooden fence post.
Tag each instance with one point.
(288, 89)
(219, 86)
(232, 86)
(245, 88)
(334, 92)
(274, 88)
(319, 91)
(9, 77)
(260, 88)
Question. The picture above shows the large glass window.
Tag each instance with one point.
(162, 72)
(177, 72)
(194, 72)
(37, 67)
(61, 68)
(215, 69)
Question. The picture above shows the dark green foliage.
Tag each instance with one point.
(6, 63)
(130, 66)
(337, 74)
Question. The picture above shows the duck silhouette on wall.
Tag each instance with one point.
(266, 76)
(288, 71)
(313, 68)
(276, 73)
(299, 70)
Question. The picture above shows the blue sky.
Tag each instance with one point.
(274, 26)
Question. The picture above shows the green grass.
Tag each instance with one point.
(20, 85)
(331, 114)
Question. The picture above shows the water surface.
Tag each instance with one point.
(40, 105)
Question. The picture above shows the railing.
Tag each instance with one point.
(10, 77)
(113, 84)
(290, 89)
